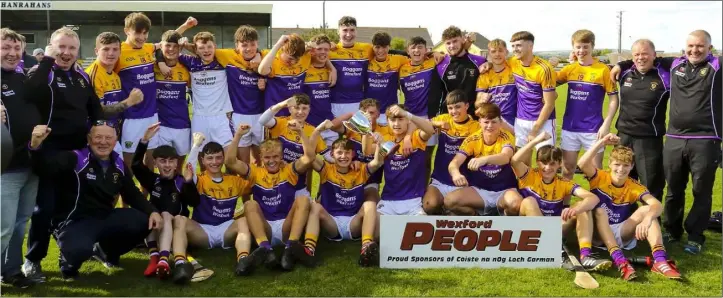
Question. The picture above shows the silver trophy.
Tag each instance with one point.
(360, 124)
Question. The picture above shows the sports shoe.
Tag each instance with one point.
(69, 274)
(668, 238)
(667, 269)
(18, 280)
(299, 251)
(33, 271)
(692, 247)
(369, 254)
(152, 266)
(163, 270)
(182, 273)
(591, 263)
(100, 255)
(627, 272)
(266, 255)
(287, 259)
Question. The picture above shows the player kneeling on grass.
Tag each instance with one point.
(218, 218)
(170, 194)
(405, 178)
(492, 183)
(342, 211)
(453, 129)
(276, 211)
(617, 224)
(549, 191)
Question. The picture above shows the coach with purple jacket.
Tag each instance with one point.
(88, 180)
(693, 144)
(645, 90)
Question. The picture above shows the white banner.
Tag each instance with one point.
(26, 5)
(470, 241)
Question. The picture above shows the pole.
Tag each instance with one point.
(47, 27)
(620, 31)
(323, 15)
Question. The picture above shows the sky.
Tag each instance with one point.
(666, 23)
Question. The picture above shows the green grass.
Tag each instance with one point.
(339, 275)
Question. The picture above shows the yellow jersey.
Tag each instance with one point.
(587, 87)
(549, 196)
(342, 194)
(220, 201)
(489, 177)
(275, 192)
(448, 145)
(617, 201)
(532, 81)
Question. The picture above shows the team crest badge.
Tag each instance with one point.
(90, 170)
(174, 197)
(703, 71)
(580, 77)
(82, 83)
(116, 176)
(60, 79)
(5, 86)
(653, 86)
(592, 77)
(128, 144)
(158, 188)
(681, 69)
(629, 79)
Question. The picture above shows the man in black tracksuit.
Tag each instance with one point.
(645, 89)
(66, 101)
(89, 179)
(693, 145)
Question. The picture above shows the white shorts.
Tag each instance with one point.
(382, 120)
(372, 185)
(343, 225)
(255, 136)
(617, 231)
(443, 188)
(302, 193)
(403, 207)
(118, 149)
(329, 136)
(179, 138)
(215, 234)
(523, 127)
(215, 128)
(338, 109)
(490, 198)
(574, 141)
(133, 131)
(277, 231)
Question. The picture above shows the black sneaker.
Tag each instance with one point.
(33, 271)
(69, 274)
(182, 273)
(246, 265)
(369, 254)
(299, 252)
(668, 238)
(18, 280)
(100, 256)
(287, 259)
(591, 263)
(270, 260)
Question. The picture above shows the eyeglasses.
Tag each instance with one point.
(103, 122)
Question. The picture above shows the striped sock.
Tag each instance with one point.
(179, 259)
(585, 249)
(617, 254)
(263, 242)
(659, 253)
(164, 255)
(242, 254)
(366, 239)
(153, 248)
(310, 243)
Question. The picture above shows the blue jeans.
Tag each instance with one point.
(19, 190)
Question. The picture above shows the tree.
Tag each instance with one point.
(398, 43)
(601, 52)
(332, 34)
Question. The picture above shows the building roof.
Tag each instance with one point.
(364, 34)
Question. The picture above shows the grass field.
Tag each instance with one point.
(339, 275)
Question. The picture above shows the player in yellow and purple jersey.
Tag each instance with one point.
(171, 93)
(351, 60)
(588, 82)
(453, 128)
(498, 85)
(552, 196)
(318, 86)
(135, 69)
(107, 83)
(247, 98)
(382, 81)
(341, 209)
(490, 184)
(619, 223)
(275, 215)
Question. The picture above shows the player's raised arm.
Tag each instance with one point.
(378, 160)
(421, 123)
(231, 161)
(317, 163)
(302, 164)
(267, 118)
(337, 124)
(265, 66)
(586, 162)
(525, 153)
